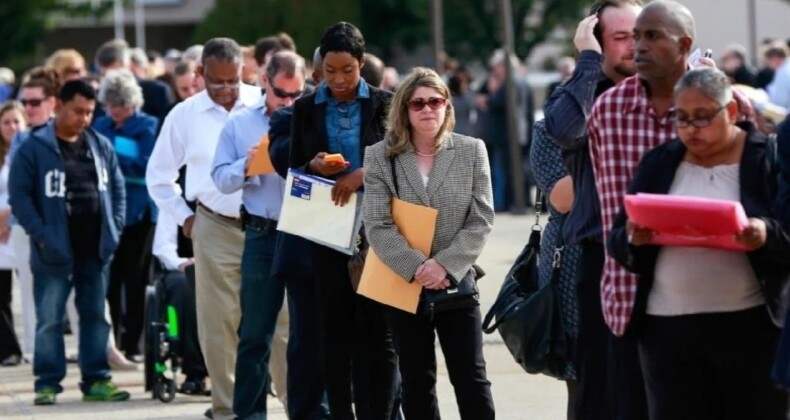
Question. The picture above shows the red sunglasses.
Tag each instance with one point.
(418, 104)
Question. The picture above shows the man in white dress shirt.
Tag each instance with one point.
(189, 137)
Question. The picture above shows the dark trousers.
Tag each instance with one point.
(626, 381)
(88, 278)
(461, 337)
(593, 400)
(180, 292)
(711, 366)
(9, 344)
(340, 311)
(130, 273)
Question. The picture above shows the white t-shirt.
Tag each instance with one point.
(703, 280)
(7, 259)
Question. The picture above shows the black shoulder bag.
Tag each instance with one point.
(528, 316)
(461, 294)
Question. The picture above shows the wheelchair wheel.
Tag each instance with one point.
(165, 390)
(152, 336)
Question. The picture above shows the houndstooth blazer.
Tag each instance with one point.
(459, 187)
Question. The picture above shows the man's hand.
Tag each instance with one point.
(431, 275)
(182, 268)
(187, 227)
(5, 234)
(345, 186)
(754, 235)
(638, 235)
(250, 155)
(324, 168)
(585, 38)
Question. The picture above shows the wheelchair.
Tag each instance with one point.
(161, 343)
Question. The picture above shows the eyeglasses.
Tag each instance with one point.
(699, 122)
(418, 104)
(232, 85)
(33, 103)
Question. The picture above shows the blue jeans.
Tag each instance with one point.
(261, 300)
(50, 291)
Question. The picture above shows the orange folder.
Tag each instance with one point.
(417, 224)
(261, 163)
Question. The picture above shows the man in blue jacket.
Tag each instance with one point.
(67, 192)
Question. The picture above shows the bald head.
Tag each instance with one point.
(677, 18)
(318, 66)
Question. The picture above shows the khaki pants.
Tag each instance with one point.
(218, 245)
(278, 366)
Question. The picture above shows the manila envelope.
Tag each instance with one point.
(417, 224)
(261, 163)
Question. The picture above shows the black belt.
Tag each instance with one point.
(260, 222)
(233, 220)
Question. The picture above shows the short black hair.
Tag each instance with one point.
(73, 88)
(373, 70)
(343, 37)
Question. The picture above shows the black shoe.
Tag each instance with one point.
(194, 387)
(208, 414)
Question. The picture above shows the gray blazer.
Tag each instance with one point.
(459, 187)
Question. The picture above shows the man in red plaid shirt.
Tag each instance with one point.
(632, 118)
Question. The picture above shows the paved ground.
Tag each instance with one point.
(516, 394)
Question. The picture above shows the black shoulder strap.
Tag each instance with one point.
(394, 175)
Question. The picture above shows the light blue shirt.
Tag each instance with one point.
(262, 195)
(779, 89)
(344, 123)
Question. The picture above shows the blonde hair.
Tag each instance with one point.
(399, 128)
(66, 60)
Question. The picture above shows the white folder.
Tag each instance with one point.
(308, 211)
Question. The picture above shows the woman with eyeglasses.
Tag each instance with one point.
(345, 115)
(12, 120)
(709, 319)
(132, 133)
(423, 162)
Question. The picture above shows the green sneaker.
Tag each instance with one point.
(46, 396)
(105, 391)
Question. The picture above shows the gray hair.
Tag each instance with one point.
(193, 53)
(120, 88)
(111, 52)
(224, 50)
(286, 62)
(711, 82)
(138, 57)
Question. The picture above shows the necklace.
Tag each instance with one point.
(425, 154)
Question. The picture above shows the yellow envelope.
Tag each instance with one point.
(261, 163)
(417, 224)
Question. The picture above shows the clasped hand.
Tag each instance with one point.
(431, 275)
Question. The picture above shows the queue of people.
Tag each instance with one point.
(656, 332)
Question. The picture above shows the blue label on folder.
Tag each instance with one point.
(301, 188)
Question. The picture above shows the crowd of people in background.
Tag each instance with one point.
(133, 168)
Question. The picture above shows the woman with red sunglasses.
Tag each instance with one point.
(423, 162)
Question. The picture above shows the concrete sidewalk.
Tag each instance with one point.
(517, 395)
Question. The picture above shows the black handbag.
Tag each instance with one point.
(461, 294)
(528, 316)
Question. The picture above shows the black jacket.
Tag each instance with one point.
(308, 126)
(758, 187)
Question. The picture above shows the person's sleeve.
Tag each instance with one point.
(468, 243)
(545, 159)
(118, 192)
(568, 108)
(779, 89)
(228, 167)
(22, 190)
(280, 140)
(298, 158)
(382, 233)
(165, 246)
(161, 176)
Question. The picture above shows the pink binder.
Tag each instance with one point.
(688, 221)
